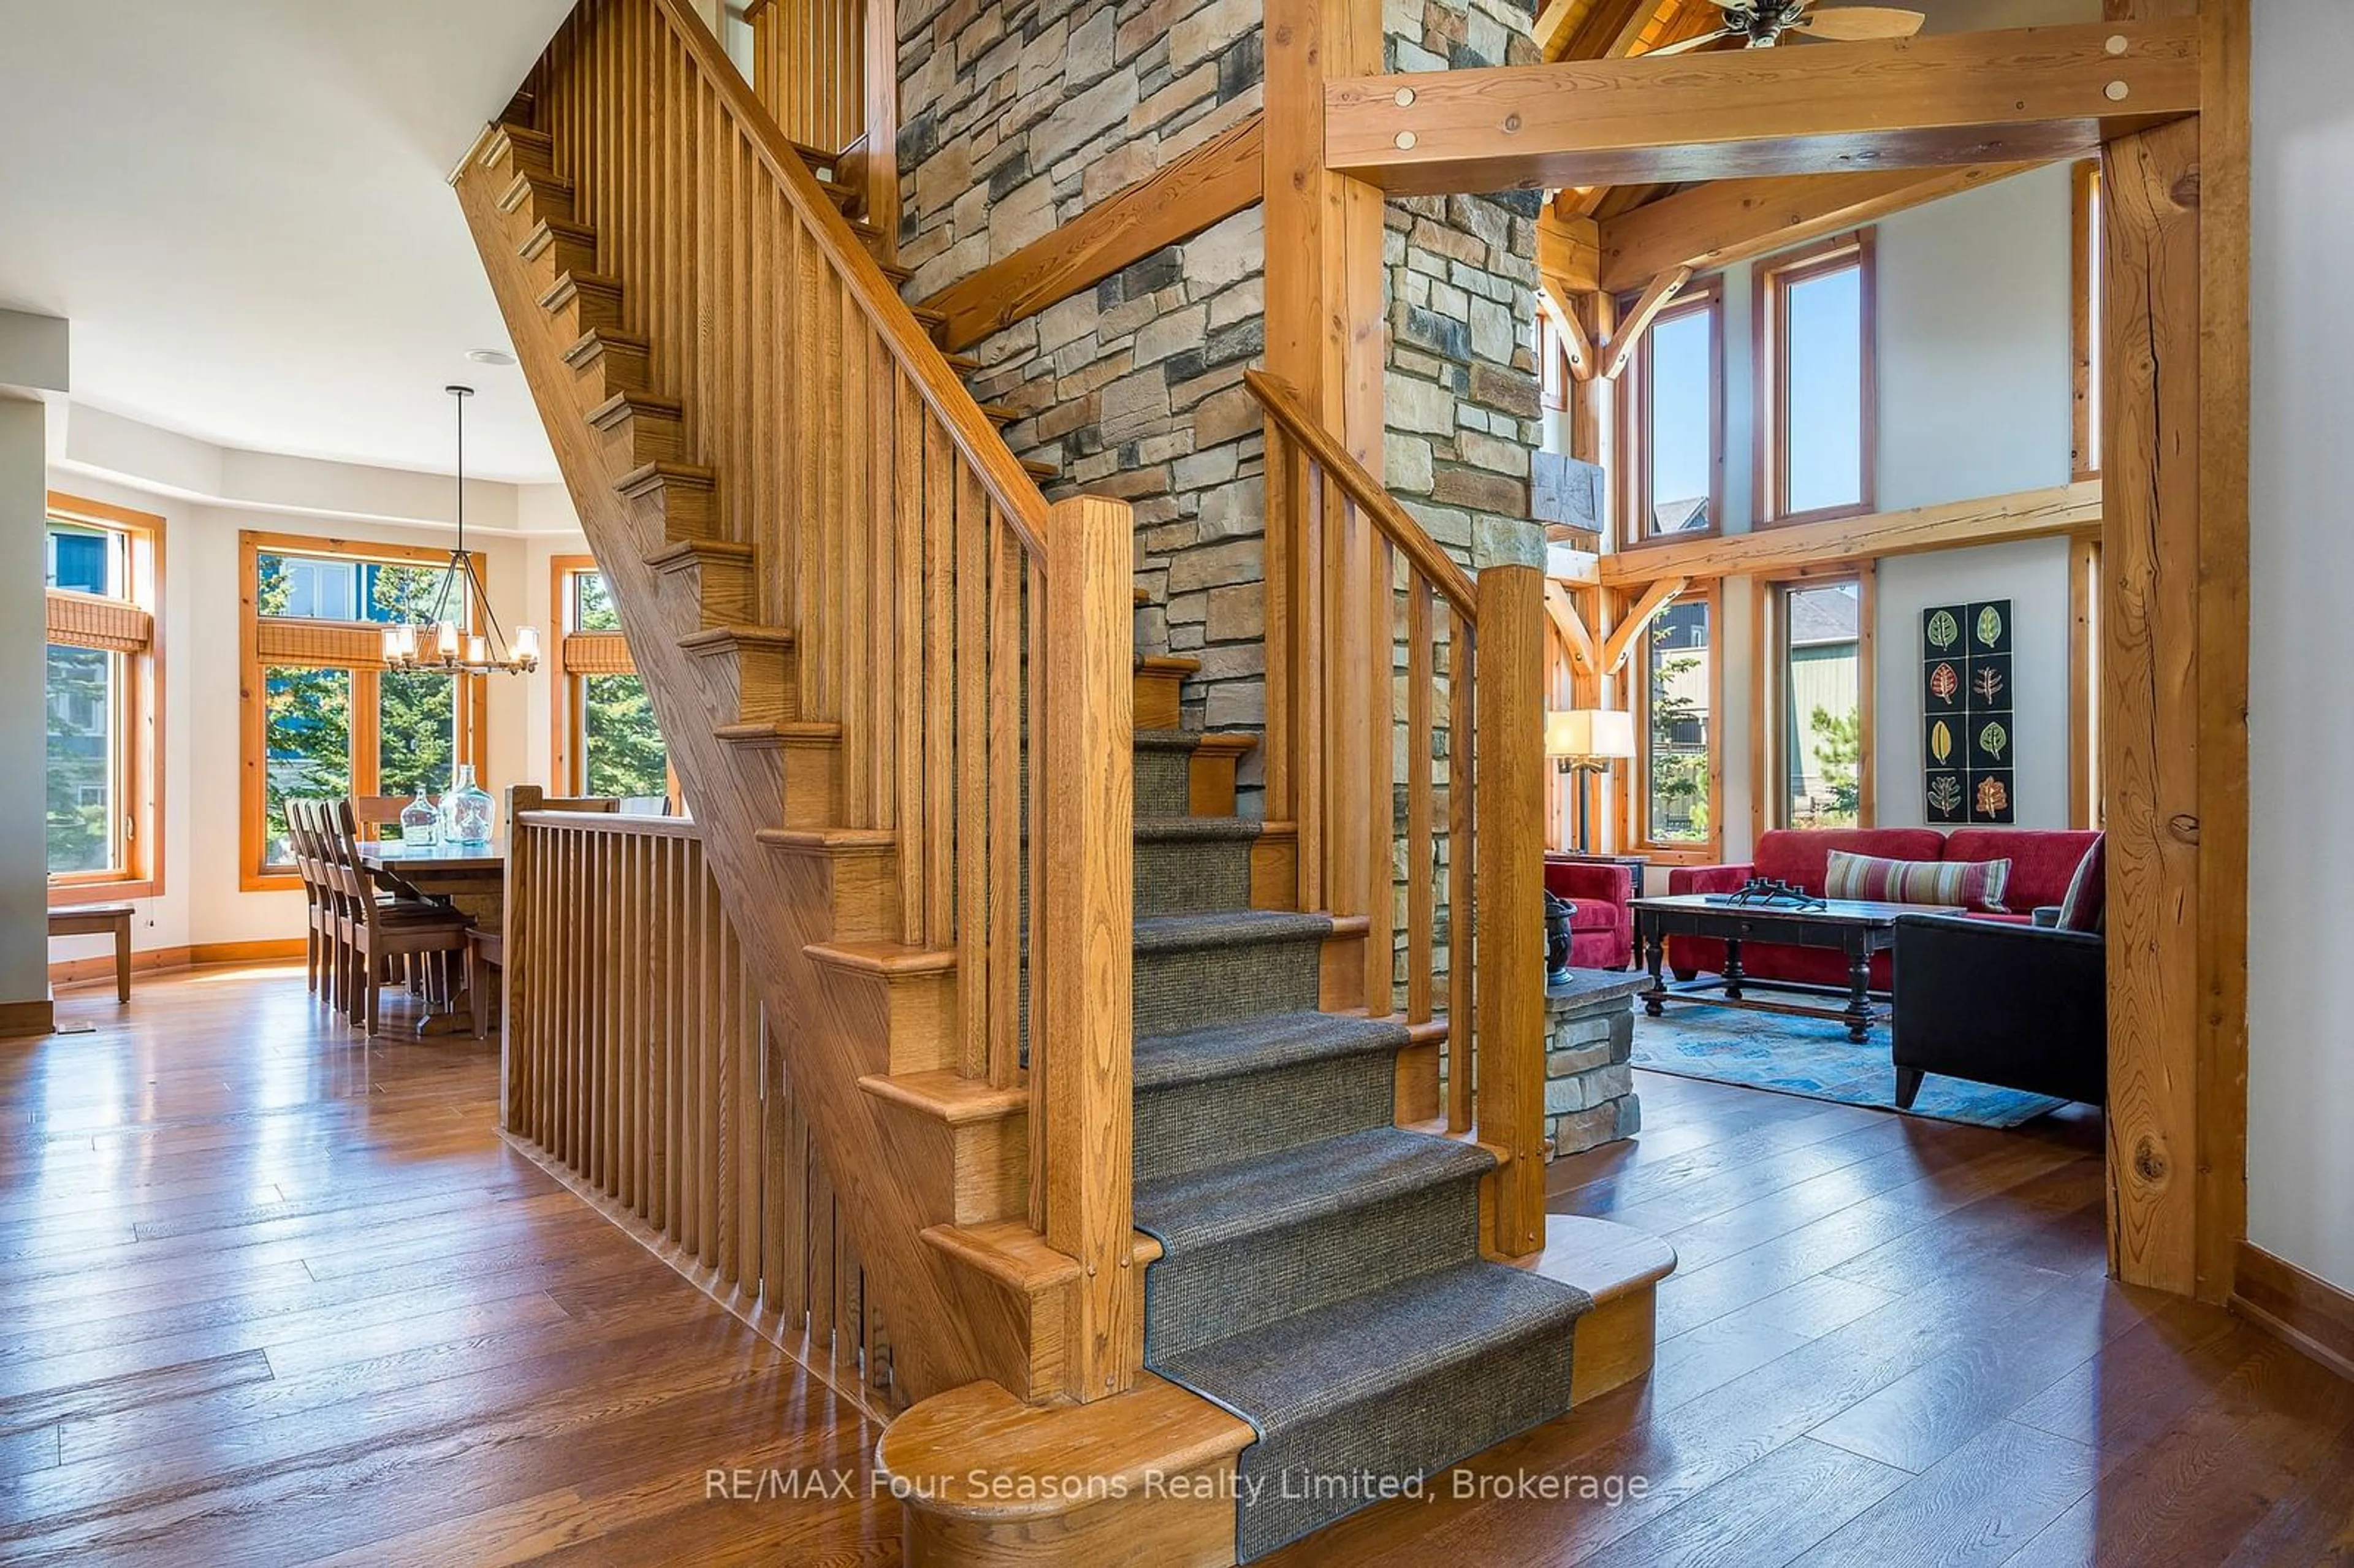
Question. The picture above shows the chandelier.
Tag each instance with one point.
(445, 640)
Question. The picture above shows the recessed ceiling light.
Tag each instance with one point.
(491, 356)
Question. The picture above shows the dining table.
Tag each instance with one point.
(469, 879)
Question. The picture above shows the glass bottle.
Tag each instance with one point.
(468, 810)
(420, 823)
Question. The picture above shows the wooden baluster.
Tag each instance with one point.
(1280, 633)
(851, 535)
(1004, 821)
(1420, 867)
(1315, 739)
(882, 585)
(751, 1123)
(938, 688)
(716, 1233)
(1510, 890)
(517, 1079)
(1089, 809)
(907, 430)
(971, 739)
(1462, 969)
(1041, 701)
(660, 984)
(1380, 743)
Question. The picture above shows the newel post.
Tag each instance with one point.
(516, 937)
(1509, 894)
(1082, 1107)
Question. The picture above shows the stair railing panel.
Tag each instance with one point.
(1363, 605)
(638, 1062)
(959, 659)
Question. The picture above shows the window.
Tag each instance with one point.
(2086, 251)
(1675, 804)
(1816, 425)
(607, 742)
(104, 690)
(1819, 760)
(322, 715)
(1672, 422)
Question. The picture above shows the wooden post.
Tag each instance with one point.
(1089, 782)
(1325, 334)
(1509, 894)
(516, 938)
(2149, 543)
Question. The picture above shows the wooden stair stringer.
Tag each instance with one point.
(781, 904)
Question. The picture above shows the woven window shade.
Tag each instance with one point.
(81, 621)
(319, 642)
(597, 654)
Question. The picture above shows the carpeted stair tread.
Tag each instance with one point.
(1356, 1171)
(1228, 929)
(1315, 1366)
(1201, 829)
(1168, 740)
(1260, 1045)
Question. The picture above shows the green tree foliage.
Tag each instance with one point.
(416, 732)
(306, 740)
(624, 744)
(1838, 745)
(1679, 780)
(80, 758)
(593, 609)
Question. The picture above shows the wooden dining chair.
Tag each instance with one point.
(381, 932)
(322, 924)
(371, 812)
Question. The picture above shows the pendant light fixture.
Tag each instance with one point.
(447, 640)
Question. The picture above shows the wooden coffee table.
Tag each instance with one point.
(1852, 926)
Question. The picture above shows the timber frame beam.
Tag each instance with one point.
(1727, 221)
(1205, 185)
(2072, 509)
(2032, 94)
(1621, 642)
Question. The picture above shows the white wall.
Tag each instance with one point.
(2300, 1013)
(201, 903)
(23, 714)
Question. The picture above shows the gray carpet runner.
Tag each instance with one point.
(1321, 1273)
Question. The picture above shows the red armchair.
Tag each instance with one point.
(1601, 924)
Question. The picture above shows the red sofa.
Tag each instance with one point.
(1601, 924)
(2041, 863)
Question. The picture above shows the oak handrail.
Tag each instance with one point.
(1008, 484)
(1283, 405)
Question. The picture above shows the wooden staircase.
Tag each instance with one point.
(901, 697)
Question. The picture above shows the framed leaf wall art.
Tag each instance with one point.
(1970, 736)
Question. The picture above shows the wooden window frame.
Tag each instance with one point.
(1635, 791)
(1769, 354)
(141, 742)
(2083, 309)
(355, 646)
(1633, 419)
(1769, 669)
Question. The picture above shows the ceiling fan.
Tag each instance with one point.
(1761, 24)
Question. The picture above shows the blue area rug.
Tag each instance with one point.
(1803, 1056)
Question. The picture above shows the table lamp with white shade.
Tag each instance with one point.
(1587, 740)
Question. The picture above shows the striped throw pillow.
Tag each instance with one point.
(1957, 884)
(2085, 908)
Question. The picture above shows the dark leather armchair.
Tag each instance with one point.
(2022, 1007)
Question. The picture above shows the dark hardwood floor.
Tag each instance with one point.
(268, 1295)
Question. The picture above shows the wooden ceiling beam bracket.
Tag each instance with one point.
(2022, 94)
(1658, 297)
(1576, 346)
(1571, 626)
(1656, 598)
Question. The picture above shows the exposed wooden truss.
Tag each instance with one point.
(1562, 609)
(1207, 185)
(1621, 642)
(2024, 94)
(1657, 297)
(1726, 221)
(2072, 509)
